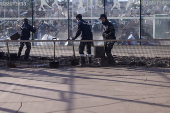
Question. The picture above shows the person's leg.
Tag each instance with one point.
(81, 52)
(20, 49)
(88, 46)
(109, 53)
(27, 51)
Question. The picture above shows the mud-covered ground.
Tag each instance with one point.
(70, 61)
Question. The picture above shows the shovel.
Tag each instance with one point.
(75, 61)
(104, 42)
(103, 60)
(54, 64)
(9, 63)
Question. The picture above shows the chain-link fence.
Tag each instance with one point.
(125, 52)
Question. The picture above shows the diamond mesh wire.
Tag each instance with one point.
(42, 52)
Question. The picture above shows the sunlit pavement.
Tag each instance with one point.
(85, 90)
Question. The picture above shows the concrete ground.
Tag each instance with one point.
(85, 90)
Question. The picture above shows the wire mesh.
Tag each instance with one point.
(155, 52)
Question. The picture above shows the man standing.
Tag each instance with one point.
(84, 29)
(43, 27)
(25, 35)
(108, 34)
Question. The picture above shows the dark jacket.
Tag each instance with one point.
(84, 29)
(109, 30)
(25, 31)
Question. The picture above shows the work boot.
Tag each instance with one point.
(81, 65)
(111, 60)
(18, 57)
(82, 62)
(25, 58)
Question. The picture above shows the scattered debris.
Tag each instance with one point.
(67, 61)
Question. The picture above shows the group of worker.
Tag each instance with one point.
(84, 29)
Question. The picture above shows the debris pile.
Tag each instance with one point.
(143, 61)
(124, 61)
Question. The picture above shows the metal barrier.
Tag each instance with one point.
(42, 51)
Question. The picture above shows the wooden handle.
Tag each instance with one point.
(73, 49)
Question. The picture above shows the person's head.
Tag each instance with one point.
(25, 20)
(78, 16)
(103, 18)
(42, 21)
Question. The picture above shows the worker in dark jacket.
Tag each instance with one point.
(25, 35)
(84, 28)
(108, 34)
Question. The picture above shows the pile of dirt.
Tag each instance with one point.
(143, 61)
(128, 61)
(119, 61)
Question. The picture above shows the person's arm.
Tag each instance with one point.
(104, 32)
(78, 31)
(112, 31)
(21, 27)
(32, 29)
(111, 34)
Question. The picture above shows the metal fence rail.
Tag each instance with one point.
(42, 51)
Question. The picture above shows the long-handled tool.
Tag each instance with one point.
(9, 63)
(75, 61)
(54, 51)
(104, 42)
(73, 50)
(54, 64)
(103, 59)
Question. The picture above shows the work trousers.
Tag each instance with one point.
(82, 47)
(27, 51)
(81, 51)
(108, 51)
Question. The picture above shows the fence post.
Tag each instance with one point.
(104, 6)
(32, 20)
(68, 20)
(54, 51)
(73, 49)
(140, 20)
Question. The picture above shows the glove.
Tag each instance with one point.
(34, 27)
(105, 35)
(72, 38)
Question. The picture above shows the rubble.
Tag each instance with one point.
(120, 61)
(142, 61)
